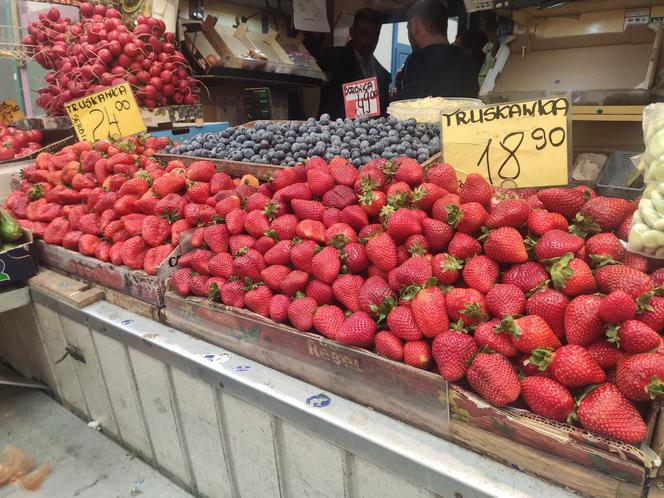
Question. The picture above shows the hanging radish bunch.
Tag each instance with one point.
(99, 51)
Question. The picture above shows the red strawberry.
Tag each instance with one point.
(402, 224)
(345, 174)
(285, 226)
(87, 244)
(493, 378)
(443, 175)
(508, 213)
(235, 221)
(200, 171)
(437, 233)
(134, 186)
(369, 231)
(282, 178)
(401, 323)
(464, 246)
(653, 312)
(331, 216)
(261, 202)
(298, 190)
(216, 238)
(200, 285)
(237, 242)
(453, 350)
(310, 230)
(572, 276)
(467, 305)
(487, 336)
(279, 254)
(295, 281)
(319, 181)
(357, 330)
(547, 398)
(339, 234)
(279, 308)
(339, 197)
(556, 243)
(467, 218)
(302, 254)
(639, 377)
(633, 337)
(505, 245)
(606, 412)
(417, 354)
(526, 276)
(220, 181)
(325, 265)
(56, 231)
(273, 275)
(301, 313)
(582, 322)
(89, 224)
(328, 320)
(623, 229)
(550, 305)
(389, 345)
(571, 365)
(604, 353)
(181, 280)
(198, 192)
(429, 309)
(347, 291)
(619, 277)
(249, 264)
(476, 189)
(382, 252)
(70, 240)
(539, 222)
(232, 293)
(354, 216)
(221, 265)
(604, 248)
(155, 230)
(617, 307)
(374, 290)
(257, 299)
(308, 209)
(154, 257)
(636, 261)
(133, 253)
(355, 257)
(168, 184)
(200, 261)
(198, 214)
(414, 271)
(505, 299)
(446, 268)
(481, 273)
(320, 291)
(226, 205)
(529, 333)
(409, 171)
(565, 201)
(607, 212)
(256, 223)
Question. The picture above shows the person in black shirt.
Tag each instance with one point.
(435, 68)
(352, 62)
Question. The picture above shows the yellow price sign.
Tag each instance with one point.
(10, 112)
(513, 145)
(111, 113)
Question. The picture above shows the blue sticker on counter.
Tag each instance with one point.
(243, 368)
(216, 358)
(318, 400)
(126, 322)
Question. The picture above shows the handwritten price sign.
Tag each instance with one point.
(10, 112)
(111, 113)
(361, 98)
(513, 145)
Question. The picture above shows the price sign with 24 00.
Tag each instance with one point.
(512, 145)
(110, 114)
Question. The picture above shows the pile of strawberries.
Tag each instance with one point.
(484, 286)
(115, 201)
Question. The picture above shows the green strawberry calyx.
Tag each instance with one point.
(643, 301)
(508, 326)
(541, 358)
(339, 241)
(473, 310)
(451, 263)
(599, 260)
(613, 334)
(213, 293)
(561, 271)
(417, 195)
(459, 326)
(270, 210)
(584, 226)
(656, 388)
(454, 215)
(272, 233)
(417, 249)
(381, 311)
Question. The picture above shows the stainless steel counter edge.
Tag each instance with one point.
(433, 463)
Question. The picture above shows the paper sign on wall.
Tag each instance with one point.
(513, 145)
(111, 113)
(10, 112)
(361, 98)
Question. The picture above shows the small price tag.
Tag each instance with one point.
(111, 113)
(513, 145)
(361, 98)
(10, 112)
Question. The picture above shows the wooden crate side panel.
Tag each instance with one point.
(235, 169)
(29, 330)
(365, 478)
(13, 349)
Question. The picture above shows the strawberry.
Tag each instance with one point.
(237, 242)
(256, 223)
(526, 276)
(467, 305)
(565, 201)
(56, 231)
(550, 305)
(539, 222)
(622, 231)
(357, 330)
(235, 221)
(265, 243)
(285, 226)
(636, 261)
(639, 377)
(607, 212)
(437, 233)
(301, 312)
(302, 254)
(180, 280)
(221, 265)
(307, 209)
(133, 253)
(200, 285)
(547, 398)
(296, 281)
(168, 184)
(320, 291)
(339, 197)
(443, 175)
(369, 231)
(493, 378)
(414, 271)
(606, 412)
(617, 307)
(220, 181)
(633, 337)
(508, 213)
(657, 277)
(325, 265)
(199, 261)
(604, 353)
(226, 205)
(355, 257)
(70, 240)
(582, 322)
(463, 246)
(372, 202)
(354, 216)
(467, 218)
(257, 299)
(133, 223)
(339, 234)
(135, 186)
(347, 289)
(417, 354)
(374, 290)
(154, 257)
(278, 308)
(487, 336)
(198, 192)
(273, 275)
(481, 273)
(200, 171)
(409, 171)
(345, 174)
(453, 350)
(446, 268)
(299, 190)
(389, 345)
(402, 224)
(476, 189)
(529, 333)
(216, 238)
(571, 365)
(310, 230)
(505, 245)
(381, 250)
(328, 320)
(249, 264)
(261, 202)
(504, 299)
(198, 214)
(653, 312)
(429, 309)
(279, 254)
(426, 195)
(87, 244)
(316, 163)
(401, 322)
(282, 178)
(232, 293)
(556, 243)
(572, 276)
(619, 277)
(155, 230)
(319, 181)
(604, 248)
(89, 224)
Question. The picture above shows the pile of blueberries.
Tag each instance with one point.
(286, 143)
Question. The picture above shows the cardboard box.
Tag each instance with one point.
(20, 263)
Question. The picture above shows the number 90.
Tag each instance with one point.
(555, 137)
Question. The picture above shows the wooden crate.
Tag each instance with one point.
(561, 453)
(235, 169)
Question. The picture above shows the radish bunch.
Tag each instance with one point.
(99, 51)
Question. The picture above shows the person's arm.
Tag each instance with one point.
(327, 58)
(415, 77)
